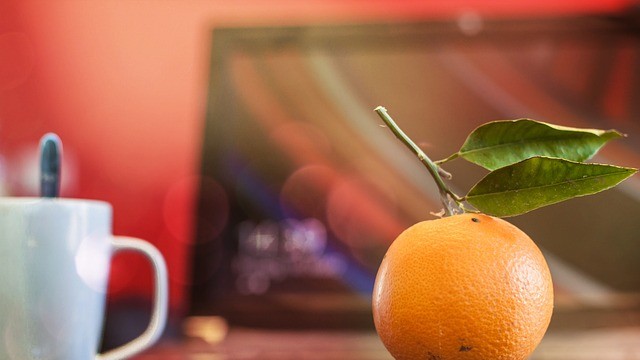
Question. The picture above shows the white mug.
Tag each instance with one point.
(55, 256)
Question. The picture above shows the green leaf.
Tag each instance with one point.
(501, 143)
(540, 181)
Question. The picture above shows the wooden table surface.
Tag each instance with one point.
(621, 343)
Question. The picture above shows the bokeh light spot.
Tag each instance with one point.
(304, 193)
(92, 261)
(178, 209)
(360, 215)
(470, 23)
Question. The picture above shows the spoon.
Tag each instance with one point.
(50, 163)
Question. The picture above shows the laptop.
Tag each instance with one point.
(302, 190)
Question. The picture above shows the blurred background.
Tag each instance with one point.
(240, 139)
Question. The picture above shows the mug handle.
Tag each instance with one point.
(159, 314)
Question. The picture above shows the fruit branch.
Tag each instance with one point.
(450, 200)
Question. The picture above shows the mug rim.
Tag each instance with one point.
(63, 200)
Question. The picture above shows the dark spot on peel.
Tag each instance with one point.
(465, 348)
(432, 356)
(475, 219)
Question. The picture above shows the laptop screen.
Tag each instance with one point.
(303, 190)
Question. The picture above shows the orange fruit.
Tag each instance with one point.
(467, 286)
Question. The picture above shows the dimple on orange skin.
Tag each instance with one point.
(467, 286)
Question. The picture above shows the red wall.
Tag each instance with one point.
(124, 84)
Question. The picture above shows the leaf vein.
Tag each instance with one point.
(551, 185)
(544, 139)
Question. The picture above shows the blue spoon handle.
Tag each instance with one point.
(50, 163)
